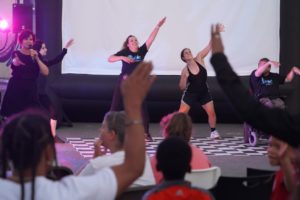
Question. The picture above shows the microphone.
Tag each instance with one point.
(32, 54)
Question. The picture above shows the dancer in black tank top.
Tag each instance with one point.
(193, 83)
(131, 55)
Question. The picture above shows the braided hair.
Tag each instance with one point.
(24, 138)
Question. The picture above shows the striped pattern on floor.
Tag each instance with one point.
(234, 146)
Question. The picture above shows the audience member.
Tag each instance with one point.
(282, 155)
(173, 160)
(28, 145)
(180, 125)
(112, 133)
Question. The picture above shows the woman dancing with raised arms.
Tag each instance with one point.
(131, 55)
(193, 83)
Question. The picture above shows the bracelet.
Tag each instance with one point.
(134, 122)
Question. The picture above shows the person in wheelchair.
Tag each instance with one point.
(265, 84)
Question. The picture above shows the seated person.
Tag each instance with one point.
(28, 145)
(174, 156)
(282, 155)
(257, 115)
(265, 84)
(180, 125)
(112, 133)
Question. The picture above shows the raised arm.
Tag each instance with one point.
(183, 79)
(204, 52)
(61, 56)
(154, 33)
(287, 167)
(134, 90)
(290, 76)
(260, 70)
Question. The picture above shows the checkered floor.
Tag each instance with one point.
(234, 146)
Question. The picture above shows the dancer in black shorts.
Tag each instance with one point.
(193, 83)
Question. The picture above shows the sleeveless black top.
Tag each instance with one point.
(197, 82)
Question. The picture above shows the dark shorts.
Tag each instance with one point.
(193, 98)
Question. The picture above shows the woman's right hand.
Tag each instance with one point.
(127, 59)
(16, 61)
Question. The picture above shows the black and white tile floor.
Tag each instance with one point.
(234, 146)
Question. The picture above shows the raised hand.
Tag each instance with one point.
(69, 43)
(161, 22)
(220, 27)
(216, 40)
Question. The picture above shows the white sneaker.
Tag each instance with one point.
(215, 135)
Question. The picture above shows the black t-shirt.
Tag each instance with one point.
(266, 86)
(138, 56)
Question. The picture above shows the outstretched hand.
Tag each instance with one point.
(216, 40)
(220, 27)
(137, 85)
(161, 22)
(69, 43)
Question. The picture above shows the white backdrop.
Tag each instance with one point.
(100, 27)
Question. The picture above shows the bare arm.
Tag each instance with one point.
(290, 76)
(114, 58)
(134, 90)
(259, 72)
(154, 33)
(43, 68)
(183, 79)
(204, 52)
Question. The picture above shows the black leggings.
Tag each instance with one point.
(117, 104)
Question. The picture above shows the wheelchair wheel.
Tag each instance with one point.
(253, 138)
(247, 131)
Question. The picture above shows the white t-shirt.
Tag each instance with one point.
(101, 185)
(115, 159)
